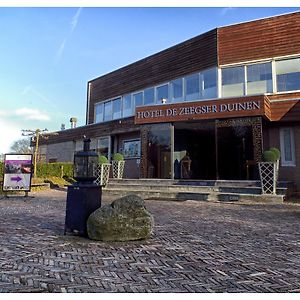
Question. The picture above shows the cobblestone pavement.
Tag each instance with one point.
(195, 247)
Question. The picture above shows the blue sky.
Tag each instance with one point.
(49, 54)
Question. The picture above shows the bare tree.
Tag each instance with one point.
(21, 146)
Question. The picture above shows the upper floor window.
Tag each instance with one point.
(259, 78)
(192, 87)
(138, 99)
(288, 74)
(233, 81)
(162, 92)
(127, 106)
(209, 84)
(99, 112)
(149, 96)
(107, 111)
(117, 112)
(177, 90)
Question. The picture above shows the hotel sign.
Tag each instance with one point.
(17, 172)
(201, 110)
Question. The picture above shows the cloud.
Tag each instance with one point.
(225, 10)
(9, 132)
(31, 114)
(13, 121)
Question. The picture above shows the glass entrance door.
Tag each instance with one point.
(194, 150)
(159, 151)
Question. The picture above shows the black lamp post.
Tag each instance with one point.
(84, 196)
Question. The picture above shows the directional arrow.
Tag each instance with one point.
(17, 179)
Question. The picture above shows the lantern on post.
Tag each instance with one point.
(84, 196)
(85, 163)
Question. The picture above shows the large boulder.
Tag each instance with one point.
(125, 219)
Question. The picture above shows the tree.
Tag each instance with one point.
(21, 146)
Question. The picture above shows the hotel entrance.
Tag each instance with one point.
(203, 150)
(194, 150)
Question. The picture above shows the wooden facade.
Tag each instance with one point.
(255, 40)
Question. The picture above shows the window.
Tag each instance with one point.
(162, 92)
(117, 108)
(209, 85)
(127, 106)
(287, 147)
(177, 90)
(259, 79)
(288, 74)
(149, 96)
(99, 113)
(107, 111)
(233, 81)
(103, 147)
(132, 149)
(138, 99)
(192, 88)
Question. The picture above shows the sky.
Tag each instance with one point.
(48, 54)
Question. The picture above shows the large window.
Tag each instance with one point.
(288, 74)
(99, 112)
(233, 81)
(177, 90)
(149, 96)
(107, 111)
(162, 92)
(259, 79)
(127, 106)
(287, 147)
(138, 99)
(117, 112)
(209, 84)
(192, 87)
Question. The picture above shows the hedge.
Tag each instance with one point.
(54, 169)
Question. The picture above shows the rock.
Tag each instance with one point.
(125, 219)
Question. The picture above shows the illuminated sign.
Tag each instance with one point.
(17, 172)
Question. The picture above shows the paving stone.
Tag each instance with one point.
(195, 247)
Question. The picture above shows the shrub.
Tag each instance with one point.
(269, 156)
(54, 169)
(118, 157)
(103, 159)
(276, 151)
